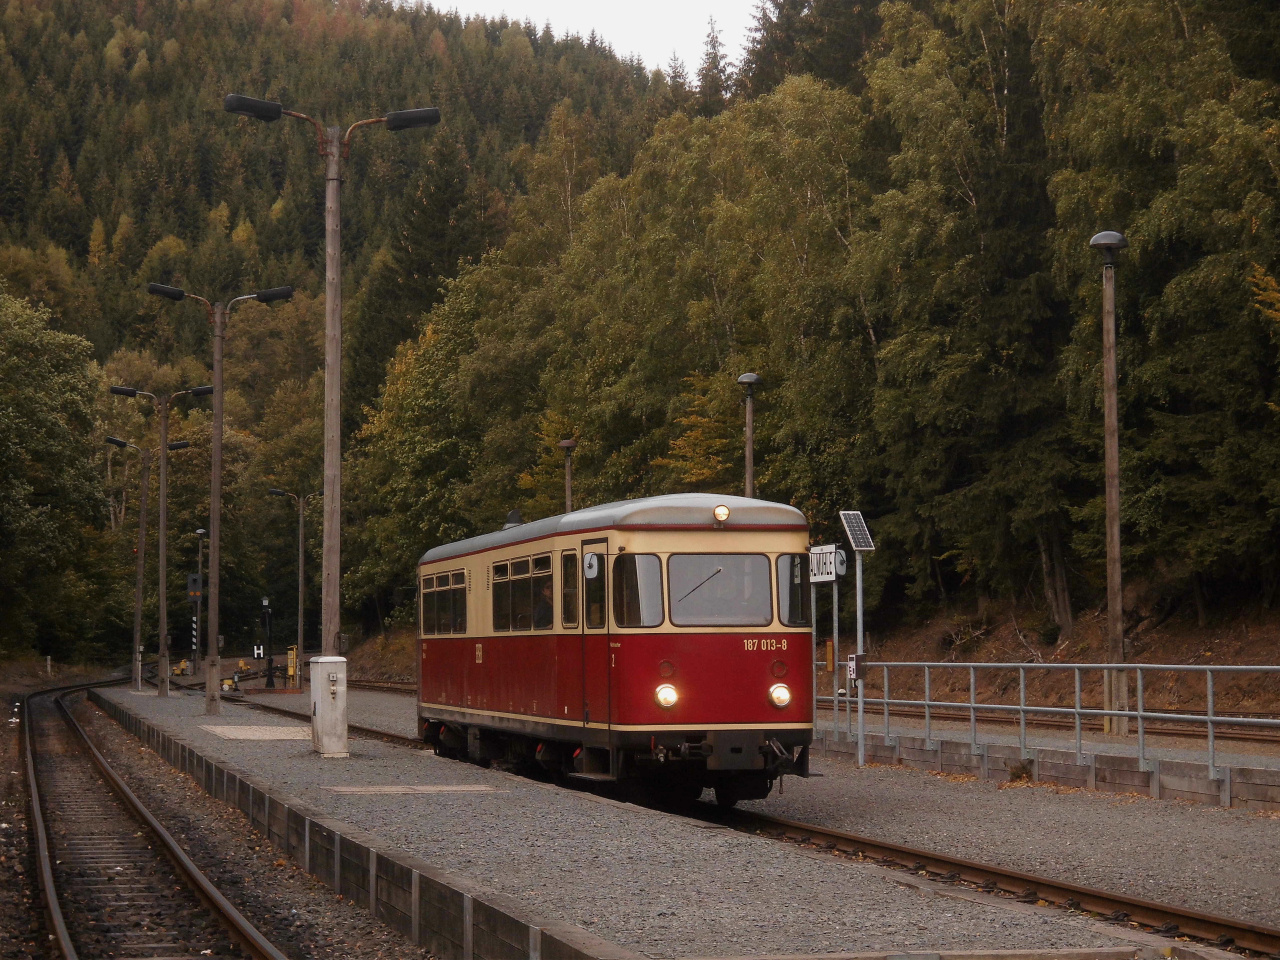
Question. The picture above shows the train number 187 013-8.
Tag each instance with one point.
(764, 643)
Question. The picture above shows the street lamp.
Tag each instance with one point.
(750, 381)
(218, 314)
(301, 502)
(334, 146)
(1115, 683)
(144, 483)
(161, 403)
(568, 447)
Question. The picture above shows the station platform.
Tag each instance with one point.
(472, 862)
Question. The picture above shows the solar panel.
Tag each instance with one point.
(856, 529)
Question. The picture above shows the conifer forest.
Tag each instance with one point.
(882, 208)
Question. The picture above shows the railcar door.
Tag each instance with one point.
(595, 637)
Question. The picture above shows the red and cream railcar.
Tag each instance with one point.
(664, 639)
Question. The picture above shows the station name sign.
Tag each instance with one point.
(825, 563)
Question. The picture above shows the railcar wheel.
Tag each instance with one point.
(726, 796)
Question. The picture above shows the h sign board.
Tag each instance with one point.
(257, 653)
(825, 563)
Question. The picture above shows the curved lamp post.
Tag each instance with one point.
(218, 314)
(334, 147)
(750, 381)
(161, 403)
(1115, 683)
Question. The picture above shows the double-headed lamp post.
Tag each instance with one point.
(144, 482)
(161, 403)
(750, 381)
(1115, 684)
(334, 147)
(218, 314)
(302, 556)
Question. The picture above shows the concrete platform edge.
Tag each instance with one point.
(1253, 788)
(451, 916)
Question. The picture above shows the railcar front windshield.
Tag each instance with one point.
(720, 590)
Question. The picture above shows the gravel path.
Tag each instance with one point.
(1209, 858)
(689, 889)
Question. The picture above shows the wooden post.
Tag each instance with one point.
(1118, 687)
(144, 483)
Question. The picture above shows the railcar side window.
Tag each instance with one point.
(793, 589)
(637, 590)
(593, 571)
(459, 591)
(443, 604)
(543, 597)
(569, 589)
(720, 590)
(517, 588)
(501, 597)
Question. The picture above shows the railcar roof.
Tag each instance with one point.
(672, 510)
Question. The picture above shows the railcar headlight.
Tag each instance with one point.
(666, 696)
(780, 694)
(721, 513)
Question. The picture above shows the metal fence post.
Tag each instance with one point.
(885, 694)
(973, 712)
(1022, 710)
(928, 715)
(1142, 728)
(1213, 765)
(1079, 754)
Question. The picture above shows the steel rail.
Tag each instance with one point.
(249, 937)
(1163, 918)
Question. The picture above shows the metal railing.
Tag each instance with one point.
(856, 699)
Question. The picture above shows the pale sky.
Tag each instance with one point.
(652, 29)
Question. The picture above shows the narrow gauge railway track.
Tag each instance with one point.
(115, 883)
(1162, 918)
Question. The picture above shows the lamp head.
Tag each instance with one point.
(125, 391)
(567, 445)
(117, 442)
(277, 493)
(750, 381)
(179, 444)
(201, 391)
(200, 531)
(160, 290)
(1108, 243)
(275, 293)
(264, 110)
(408, 119)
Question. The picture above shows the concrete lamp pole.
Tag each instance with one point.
(301, 503)
(1115, 683)
(218, 314)
(568, 447)
(335, 146)
(161, 403)
(750, 381)
(144, 484)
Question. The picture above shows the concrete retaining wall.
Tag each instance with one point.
(1252, 787)
(450, 916)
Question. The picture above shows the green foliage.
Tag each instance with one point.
(50, 498)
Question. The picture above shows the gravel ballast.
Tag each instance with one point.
(660, 884)
(1213, 859)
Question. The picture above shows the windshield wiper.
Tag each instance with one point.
(709, 576)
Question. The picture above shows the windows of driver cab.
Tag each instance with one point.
(443, 604)
(522, 594)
